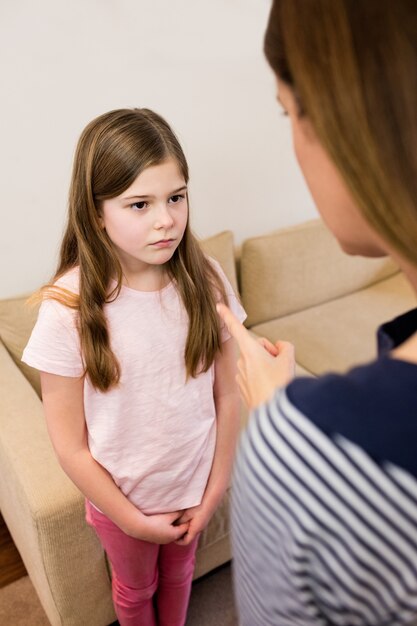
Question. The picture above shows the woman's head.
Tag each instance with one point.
(347, 73)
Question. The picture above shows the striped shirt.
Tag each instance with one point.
(324, 508)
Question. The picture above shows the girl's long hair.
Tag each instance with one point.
(352, 66)
(112, 151)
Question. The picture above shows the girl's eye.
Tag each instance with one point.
(175, 199)
(138, 206)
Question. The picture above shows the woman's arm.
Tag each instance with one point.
(226, 397)
(64, 410)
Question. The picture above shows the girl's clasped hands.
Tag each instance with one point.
(181, 527)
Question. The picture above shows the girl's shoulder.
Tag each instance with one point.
(60, 298)
(213, 262)
(225, 275)
(54, 345)
(232, 296)
(70, 281)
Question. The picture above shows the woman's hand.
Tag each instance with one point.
(262, 366)
(197, 518)
(163, 528)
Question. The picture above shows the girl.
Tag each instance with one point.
(325, 492)
(137, 375)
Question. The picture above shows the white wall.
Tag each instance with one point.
(198, 63)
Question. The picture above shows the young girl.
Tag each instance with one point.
(138, 376)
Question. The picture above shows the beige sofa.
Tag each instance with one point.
(295, 284)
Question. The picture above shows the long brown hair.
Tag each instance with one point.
(352, 66)
(112, 151)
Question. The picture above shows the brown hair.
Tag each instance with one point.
(352, 66)
(112, 151)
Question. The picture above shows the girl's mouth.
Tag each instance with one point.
(163, 243)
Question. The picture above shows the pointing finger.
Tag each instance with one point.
(236, 329)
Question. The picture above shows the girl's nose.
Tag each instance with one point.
(163, 217)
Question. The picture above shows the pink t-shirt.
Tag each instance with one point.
(155, 432)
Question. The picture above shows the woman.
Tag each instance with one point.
(325, 491)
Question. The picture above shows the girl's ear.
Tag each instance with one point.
(99, 214)
(100, 220)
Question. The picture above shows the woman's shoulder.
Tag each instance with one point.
(378, 387)
(372, 405)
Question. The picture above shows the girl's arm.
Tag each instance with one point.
(64, 410)
(227, 401)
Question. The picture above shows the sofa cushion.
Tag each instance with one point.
(17, 319)
(318, 333)
(221, 247)
(300, 267)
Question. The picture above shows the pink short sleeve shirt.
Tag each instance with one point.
(155, 432)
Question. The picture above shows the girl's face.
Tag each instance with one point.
(147, 221)
(326, 186)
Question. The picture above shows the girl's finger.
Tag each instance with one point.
(186, 518)
(182, 541)
(186, 539)
(180, 531)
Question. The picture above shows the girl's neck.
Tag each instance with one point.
(154, 278)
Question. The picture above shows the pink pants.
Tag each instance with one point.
(151, 583)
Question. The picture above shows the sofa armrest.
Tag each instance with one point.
(45, 512)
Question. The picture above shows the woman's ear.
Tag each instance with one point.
(300, 122)
(306, 128)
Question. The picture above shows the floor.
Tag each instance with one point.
(11, 565)
(211, 602)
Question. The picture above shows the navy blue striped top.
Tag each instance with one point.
(324, 508)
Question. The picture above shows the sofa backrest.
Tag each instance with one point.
(17, 318)
(296, 268)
